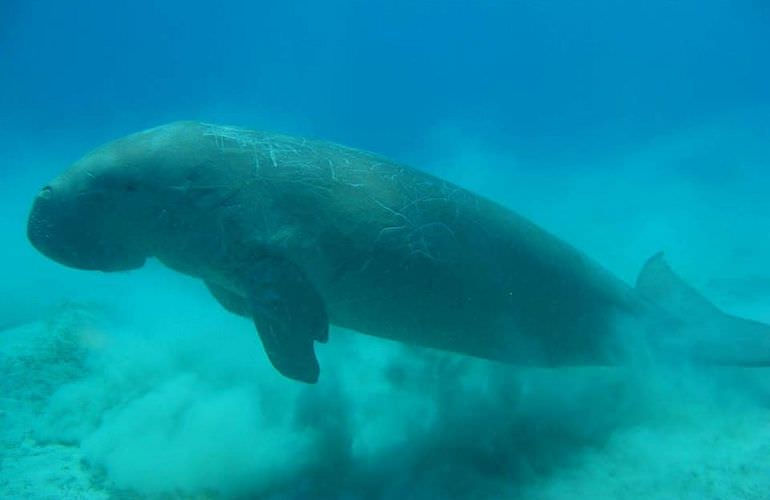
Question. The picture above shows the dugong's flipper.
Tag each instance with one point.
(229, 300)
(288, 312)
(289, 315)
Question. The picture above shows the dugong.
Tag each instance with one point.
(297, 234)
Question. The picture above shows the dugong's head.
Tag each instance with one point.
(98, 213)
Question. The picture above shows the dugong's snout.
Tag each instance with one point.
(73, 231)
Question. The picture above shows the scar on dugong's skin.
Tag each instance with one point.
(297, 234)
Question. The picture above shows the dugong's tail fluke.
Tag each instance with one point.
(705, 334)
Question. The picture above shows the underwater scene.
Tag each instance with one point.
(385, 250)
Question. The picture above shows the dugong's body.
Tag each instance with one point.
(297, 234)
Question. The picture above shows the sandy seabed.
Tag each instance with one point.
(95, 405)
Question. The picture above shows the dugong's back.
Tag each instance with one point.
(398, 253)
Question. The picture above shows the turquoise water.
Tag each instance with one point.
(623, 129)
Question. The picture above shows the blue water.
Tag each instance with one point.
(625, 128)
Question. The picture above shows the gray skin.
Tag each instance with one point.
(297, 234)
